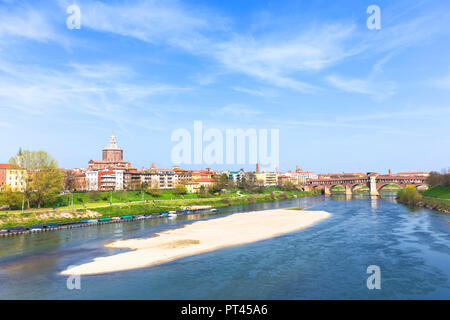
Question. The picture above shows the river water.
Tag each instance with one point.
(326, 261)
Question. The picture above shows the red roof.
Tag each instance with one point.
(7, 166)
(204, 180)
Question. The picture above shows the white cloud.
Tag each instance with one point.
(98, 91)
(239, 110)
(26, 23)
(377, 90)
(283, 58)
(266, 92)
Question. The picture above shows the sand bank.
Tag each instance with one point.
(200, 237)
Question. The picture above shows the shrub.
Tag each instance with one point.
(251, 199)
(179, 189)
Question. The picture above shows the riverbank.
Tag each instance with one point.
(200, 237)
(13, 219)
(435, 198)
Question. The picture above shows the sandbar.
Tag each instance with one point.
(199, 237)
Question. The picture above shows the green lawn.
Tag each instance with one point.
(437, 192)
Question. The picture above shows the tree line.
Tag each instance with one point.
(439, 179)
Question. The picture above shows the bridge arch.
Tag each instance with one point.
(383, 185)
(360, 185)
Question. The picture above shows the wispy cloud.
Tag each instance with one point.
(266, 92)
(98, 91)
(377, 90)
(441, 83)
(239, 110)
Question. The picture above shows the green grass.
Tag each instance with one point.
(152, 206)
(296, 208)
(437, 192)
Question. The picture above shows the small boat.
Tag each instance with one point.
(172, 215)
(115, 219)
(17, 229)
(140, 217)
(213, 210)
(104, 219)
(38, 227)
(126, 217)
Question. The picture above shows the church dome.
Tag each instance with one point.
(112, 143)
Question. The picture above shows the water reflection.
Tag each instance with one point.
(412, 249)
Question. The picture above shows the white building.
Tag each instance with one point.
(91, 180)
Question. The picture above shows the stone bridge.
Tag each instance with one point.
(372, 180)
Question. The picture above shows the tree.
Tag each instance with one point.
(69, 180)
(179, 189)
(248, 182)
(43, 180)
(47, 182)
(154, 190)
(288, 185)
(10, 198)
(222, 182)
(203, 192)
(439, 179)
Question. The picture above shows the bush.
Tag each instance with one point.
(251, 199)
(179, 189)
(272, 195)
(284, 196)
(409, 195)
(154, 191)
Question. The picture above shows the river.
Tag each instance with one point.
(328, 260)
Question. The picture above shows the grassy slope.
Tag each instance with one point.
(437, 192)
(161, 204)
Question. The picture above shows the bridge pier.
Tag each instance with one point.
(373, 186)
(348, 190)
(327, 191)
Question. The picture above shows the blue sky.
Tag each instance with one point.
(345, 98)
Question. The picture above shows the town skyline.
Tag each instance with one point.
(343, 97)
(222, 167)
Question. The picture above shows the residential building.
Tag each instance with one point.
(13, 176)
(182, 176)
(104, 180)
(236, 176)
(267, 178)
(163, 178)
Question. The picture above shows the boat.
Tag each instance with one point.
(213, 210)
(126, 217)
(104, 219)
(17, 229)
(37, 227)
(115, 219)
(172, 215)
